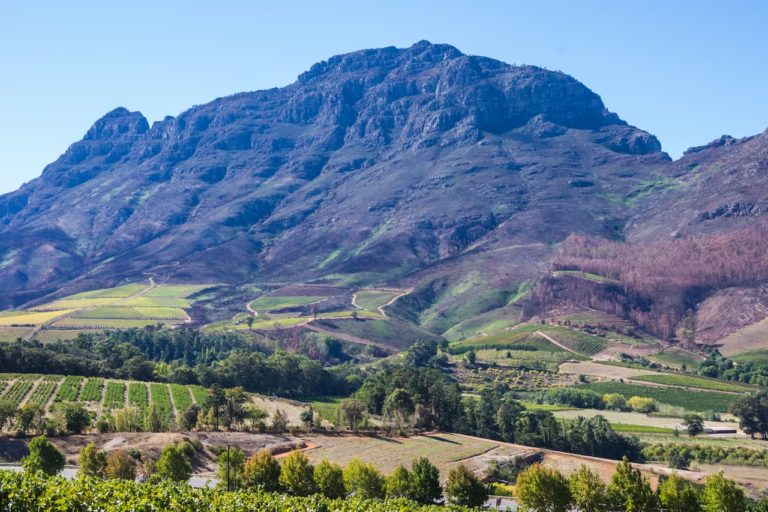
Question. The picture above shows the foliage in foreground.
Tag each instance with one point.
(35, 492)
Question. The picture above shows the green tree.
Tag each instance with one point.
(235, 412)
(425, 481)
(352, 412)
(214, 402)
(694, 424)
(92, 461)
(297, 474)
(29, 417)
(262, 471)
(43, 456)
(363, 480)
(464, 488)
(120, 466)
(153, 420)
(630, 491)
(400, 406)
(7, 412)
(540, 489)
(677, 495)
(642, 404)
(588, 491)
(72, 417)
(722, 495)
(398, 484)
(174, 464)
(229, 469)
(307, 417)
(470, 358)
(189, 417)
(329, 480)
(615, 401)
(279, 421)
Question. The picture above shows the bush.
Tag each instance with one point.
(464, 488)
(120, 466)
(615, 401)
(364, 480)
(173, 464)
(297, 474)
(642, 404)
(329, 480)
(262, 471)
(540, 488)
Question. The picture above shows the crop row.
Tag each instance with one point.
(181, 397)
(581, 343)
(700, 401)
(137, 394)
(43, 393)
(17, 391)
(92, 390)
(161, 399)
(199, 393)
(115, 395)
(69, 389)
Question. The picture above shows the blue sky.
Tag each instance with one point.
(687, 71)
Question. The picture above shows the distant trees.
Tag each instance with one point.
(694, 424)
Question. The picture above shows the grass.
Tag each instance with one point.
(13, 333)
(105, 323)
(677, 358)
(175, 290)
(157, 302)
(584, 275)
(756, 357)
(694, 382)
(521, 335)
(121, 292)
(699, 401)
(271, 302)
(545, 407)
(327, 407)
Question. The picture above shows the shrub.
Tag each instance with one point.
(262, 471)
(120, 466)
(642, 404)
(174, 464)
(363, 480)
(329, 480)
(615, 401)
(92, 461)
(43, 456)
(580, 398)
(464, 488)
(540, 488)
(297, 474)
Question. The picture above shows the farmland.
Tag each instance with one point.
(694, 382)
(134, 305)
(700, 401)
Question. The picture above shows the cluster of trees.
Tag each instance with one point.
(65, 418)
(660, 281)
(183, 356)
(540, 489)
(586, 399)
(719, 367)
(680, 455)
(752, 411)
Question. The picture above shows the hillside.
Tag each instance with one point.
(378, 166)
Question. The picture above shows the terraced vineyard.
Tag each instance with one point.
(92, 390)
(137, 395)
(115, 395)
(43, 393)
(182, 398)
(69, 390)
(134, 305)
(17, 391)
(161, 399)
(575, 341)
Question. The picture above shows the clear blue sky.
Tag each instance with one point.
(687, 71)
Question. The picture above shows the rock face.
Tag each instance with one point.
(380, 165)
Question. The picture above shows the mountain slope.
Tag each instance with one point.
(417, 165)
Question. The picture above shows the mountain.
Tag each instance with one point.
(452, 173)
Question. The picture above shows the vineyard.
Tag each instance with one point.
(575, 341)
(99, 394)
(701, 401)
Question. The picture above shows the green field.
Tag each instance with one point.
(271, 302)
(677, 358)
(121, 292)
(372, 300)
(136, 313)
(32, 317)
(640, 429)
(167, 290)
(700, 401)
(694, 382)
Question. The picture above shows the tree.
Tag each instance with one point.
(470, 358)
(588, 491)
(279, 421)
(400, 406)
(642, 404)
(363, 480)
(43, 456)
(425, 482)
(30, 416)
(72, 417)
(174, 464)
(129, 419)
(420, 353)
(678, 495)
(153, 421)
(615, 401)
(92, 461)
(307, 417)
(352, 412)
(694, 424)
(464, 488)
(255, 415)
(262, 471)
(214, 402)
(722, 495)
(297, 474)
(329, 480)
(249, 322)
(120, 466)
(752, 411)
(540, 489)
(230, 468)
(630, 491)
(506, 418)
(7, 412)
(189, 417)
(234, 407)
(398, 484)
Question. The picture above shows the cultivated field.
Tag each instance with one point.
(134, 305)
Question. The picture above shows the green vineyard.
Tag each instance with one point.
(98, 394)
